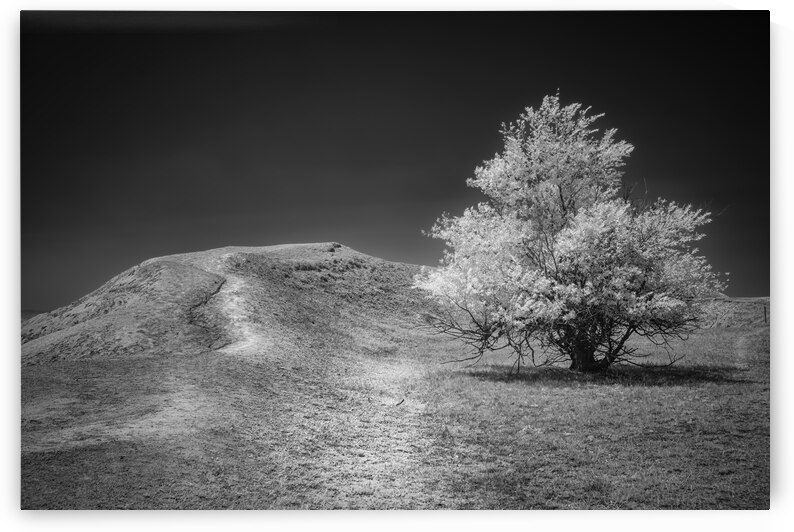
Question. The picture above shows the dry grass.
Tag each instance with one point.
(358, 412)
(695, 436)
(357, 430)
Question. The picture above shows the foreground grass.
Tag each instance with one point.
(623, 441)
(382, 424)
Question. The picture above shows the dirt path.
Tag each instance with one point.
(249, 339)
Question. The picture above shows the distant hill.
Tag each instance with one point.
(242, 300)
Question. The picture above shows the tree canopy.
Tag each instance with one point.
(558, 264)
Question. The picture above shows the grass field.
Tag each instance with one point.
(371, 418)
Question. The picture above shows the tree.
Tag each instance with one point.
(558, 265)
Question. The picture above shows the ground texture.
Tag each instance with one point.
(298, 377)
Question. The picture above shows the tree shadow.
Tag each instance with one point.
(677, 375)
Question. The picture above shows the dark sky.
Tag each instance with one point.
(150, 134)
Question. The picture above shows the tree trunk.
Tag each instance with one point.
(583, 359)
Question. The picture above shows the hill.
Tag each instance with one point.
(248, 301)
(296, 377)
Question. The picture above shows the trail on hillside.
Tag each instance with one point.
(247, 339)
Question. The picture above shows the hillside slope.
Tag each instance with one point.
(247, 301)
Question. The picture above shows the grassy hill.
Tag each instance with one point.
(297, 377)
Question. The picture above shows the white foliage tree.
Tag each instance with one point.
(557, 265)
